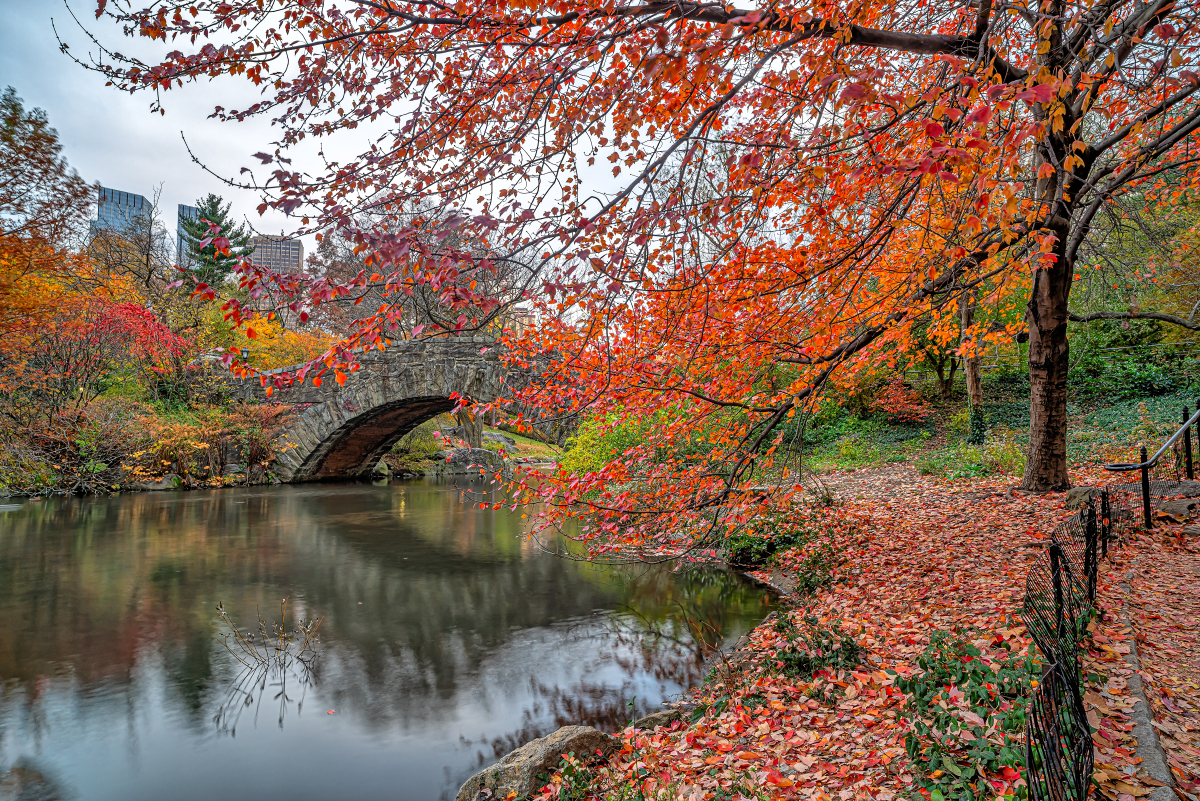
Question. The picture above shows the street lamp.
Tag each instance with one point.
(246, 356)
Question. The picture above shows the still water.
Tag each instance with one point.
(448, 638)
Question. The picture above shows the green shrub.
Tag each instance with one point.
(1119, 379)
(1009, 380)
(1002, 453)
(977, 426)
(811, 648)
(599, 440)
(966, 713)
(413, 452)
(755, 543)
(960, 422)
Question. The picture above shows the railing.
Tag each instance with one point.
(1060, 595)
(1180, 445)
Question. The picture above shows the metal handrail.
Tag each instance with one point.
(1184, 432)
(1119, 467)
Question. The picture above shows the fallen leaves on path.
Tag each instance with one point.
(922, 555)
(1165, 607)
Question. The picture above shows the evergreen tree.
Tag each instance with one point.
(207, 265)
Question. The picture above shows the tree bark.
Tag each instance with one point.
(1047, 313)
(970, 359)
(472, 428)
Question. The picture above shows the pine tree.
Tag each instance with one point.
(208, 266)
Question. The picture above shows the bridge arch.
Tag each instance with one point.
(343, 431)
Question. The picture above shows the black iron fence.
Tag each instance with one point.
(1163, 473)
(1060, 596)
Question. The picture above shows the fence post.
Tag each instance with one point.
(1056, 577)
(1106, 523)
(1146, 490)
(1187, 445)
(1089, 549)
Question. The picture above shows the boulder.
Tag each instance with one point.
(1078, 496)
(656, 719)
(1185, 508)
(469, 460)
(519, 771)
(382, 469)
(168, 482)
(498, 437)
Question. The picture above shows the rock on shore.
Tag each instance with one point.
(519, 771)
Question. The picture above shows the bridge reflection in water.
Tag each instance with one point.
(448, 639)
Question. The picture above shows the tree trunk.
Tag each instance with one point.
(1046, 313)
(946, 385)
(970, 359)
(472, 428)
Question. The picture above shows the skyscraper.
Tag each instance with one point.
(116, 210)
(185, 213)
(277, 253)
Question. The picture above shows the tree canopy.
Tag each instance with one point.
(727, 207)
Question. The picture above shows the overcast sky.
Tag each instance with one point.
(111, 136)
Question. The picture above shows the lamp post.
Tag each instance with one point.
(246, 356)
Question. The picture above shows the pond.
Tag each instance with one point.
(447, 639)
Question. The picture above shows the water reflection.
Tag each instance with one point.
(447, 640)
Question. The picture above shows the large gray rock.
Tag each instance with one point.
(498, 437)
(1185, 508)
(1078, 496)
(655, 719)
(468, 461)
(168, 482)
(519, 770)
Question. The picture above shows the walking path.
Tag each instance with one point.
(1165, 607)
(923, 555)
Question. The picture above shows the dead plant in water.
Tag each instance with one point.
(272, 656)
(273, 643)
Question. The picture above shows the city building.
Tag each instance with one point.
(185, 213)
(278, 254)
(116, 210)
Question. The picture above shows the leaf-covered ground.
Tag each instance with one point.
(920, 556)
(1165, 607)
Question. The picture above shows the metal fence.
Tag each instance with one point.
(1060, 596)
(1163, 473)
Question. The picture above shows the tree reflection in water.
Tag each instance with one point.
(449, 638)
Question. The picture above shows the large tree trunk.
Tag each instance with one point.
(1046, 314)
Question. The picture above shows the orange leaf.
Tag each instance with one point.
(778, 780)
(341, 378)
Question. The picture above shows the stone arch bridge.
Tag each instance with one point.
(343, 431)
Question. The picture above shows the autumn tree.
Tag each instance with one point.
(874, 161)
(43, 208)
(40, 195)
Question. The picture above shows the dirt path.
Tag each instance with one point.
(1165, 607)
